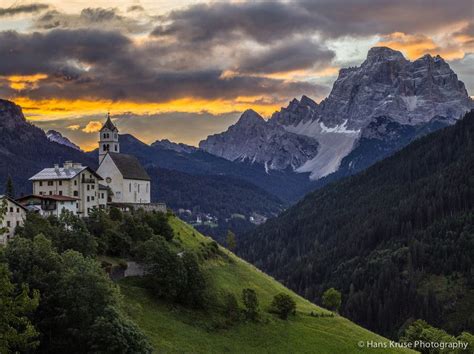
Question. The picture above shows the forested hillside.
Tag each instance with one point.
(191, 295)
(396, 239)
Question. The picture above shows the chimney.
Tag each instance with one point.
(67, 164)
(77, 165)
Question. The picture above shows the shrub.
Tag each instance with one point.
(332, 299)
(283, 305)
(250, 300)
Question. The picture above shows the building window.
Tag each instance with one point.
(17, 223)
(139, 188)
(60, 183)
(17, 210)
(41, 184)
(88, 198)
(77, 205)
(8, 224)
(60, 192)
(75, 182)
(147, 187)
(50, 183)
(11, 209)
(88, 187)
(76, 193)
(50, 192)
(93, 186)
(116, 148)
(130, 187)
(41, 193)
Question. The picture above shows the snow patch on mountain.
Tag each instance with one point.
(57, 137)
(335, 143)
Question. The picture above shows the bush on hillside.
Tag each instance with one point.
(283, 305)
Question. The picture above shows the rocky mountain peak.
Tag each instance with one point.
(12, 115)
(250, 117)
(383, 54)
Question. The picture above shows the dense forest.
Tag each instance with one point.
(397, 239)
(221, 196)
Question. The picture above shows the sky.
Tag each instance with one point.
(184, 69)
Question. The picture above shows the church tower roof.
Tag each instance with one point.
(108, 124)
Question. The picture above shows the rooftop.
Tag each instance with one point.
(68, 171)
(129, 166)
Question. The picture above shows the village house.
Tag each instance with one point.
(71, 180)
(50, 205)
(15, 214)
(128, 181)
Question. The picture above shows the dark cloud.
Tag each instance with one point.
(287, 56)
(95, 18)
(22, 9)
(91, 63)
(273, 21)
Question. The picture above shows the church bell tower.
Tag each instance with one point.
(108, 139)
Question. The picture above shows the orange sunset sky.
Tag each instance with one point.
(185, 69)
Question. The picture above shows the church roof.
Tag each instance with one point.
(129, 166)
(109, 125)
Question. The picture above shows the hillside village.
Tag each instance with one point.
(120, 181)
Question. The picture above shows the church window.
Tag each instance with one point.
(108, 180)
(130, 187)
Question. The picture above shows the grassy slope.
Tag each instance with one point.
(174, 329)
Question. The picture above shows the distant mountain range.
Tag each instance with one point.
(372, 111)
(395, 239)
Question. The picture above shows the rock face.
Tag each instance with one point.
(25, 149)
(178, 147)
(57, 137)
(255, 140)
(315, 138)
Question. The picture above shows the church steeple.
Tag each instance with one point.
(108, 139)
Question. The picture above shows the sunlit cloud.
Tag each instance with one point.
(92, 127)
(73, 127)
(417, 45)
(22, 82)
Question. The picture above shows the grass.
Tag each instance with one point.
(174, 329)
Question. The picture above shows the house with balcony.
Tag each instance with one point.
(71, 180)
(50, 205)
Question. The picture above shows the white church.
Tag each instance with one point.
(122, 174)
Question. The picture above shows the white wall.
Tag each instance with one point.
(108, 170)
(14, 217)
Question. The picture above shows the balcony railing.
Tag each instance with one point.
(88, 180)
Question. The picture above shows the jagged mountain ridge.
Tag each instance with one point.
(409, 93)
(57, 137)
